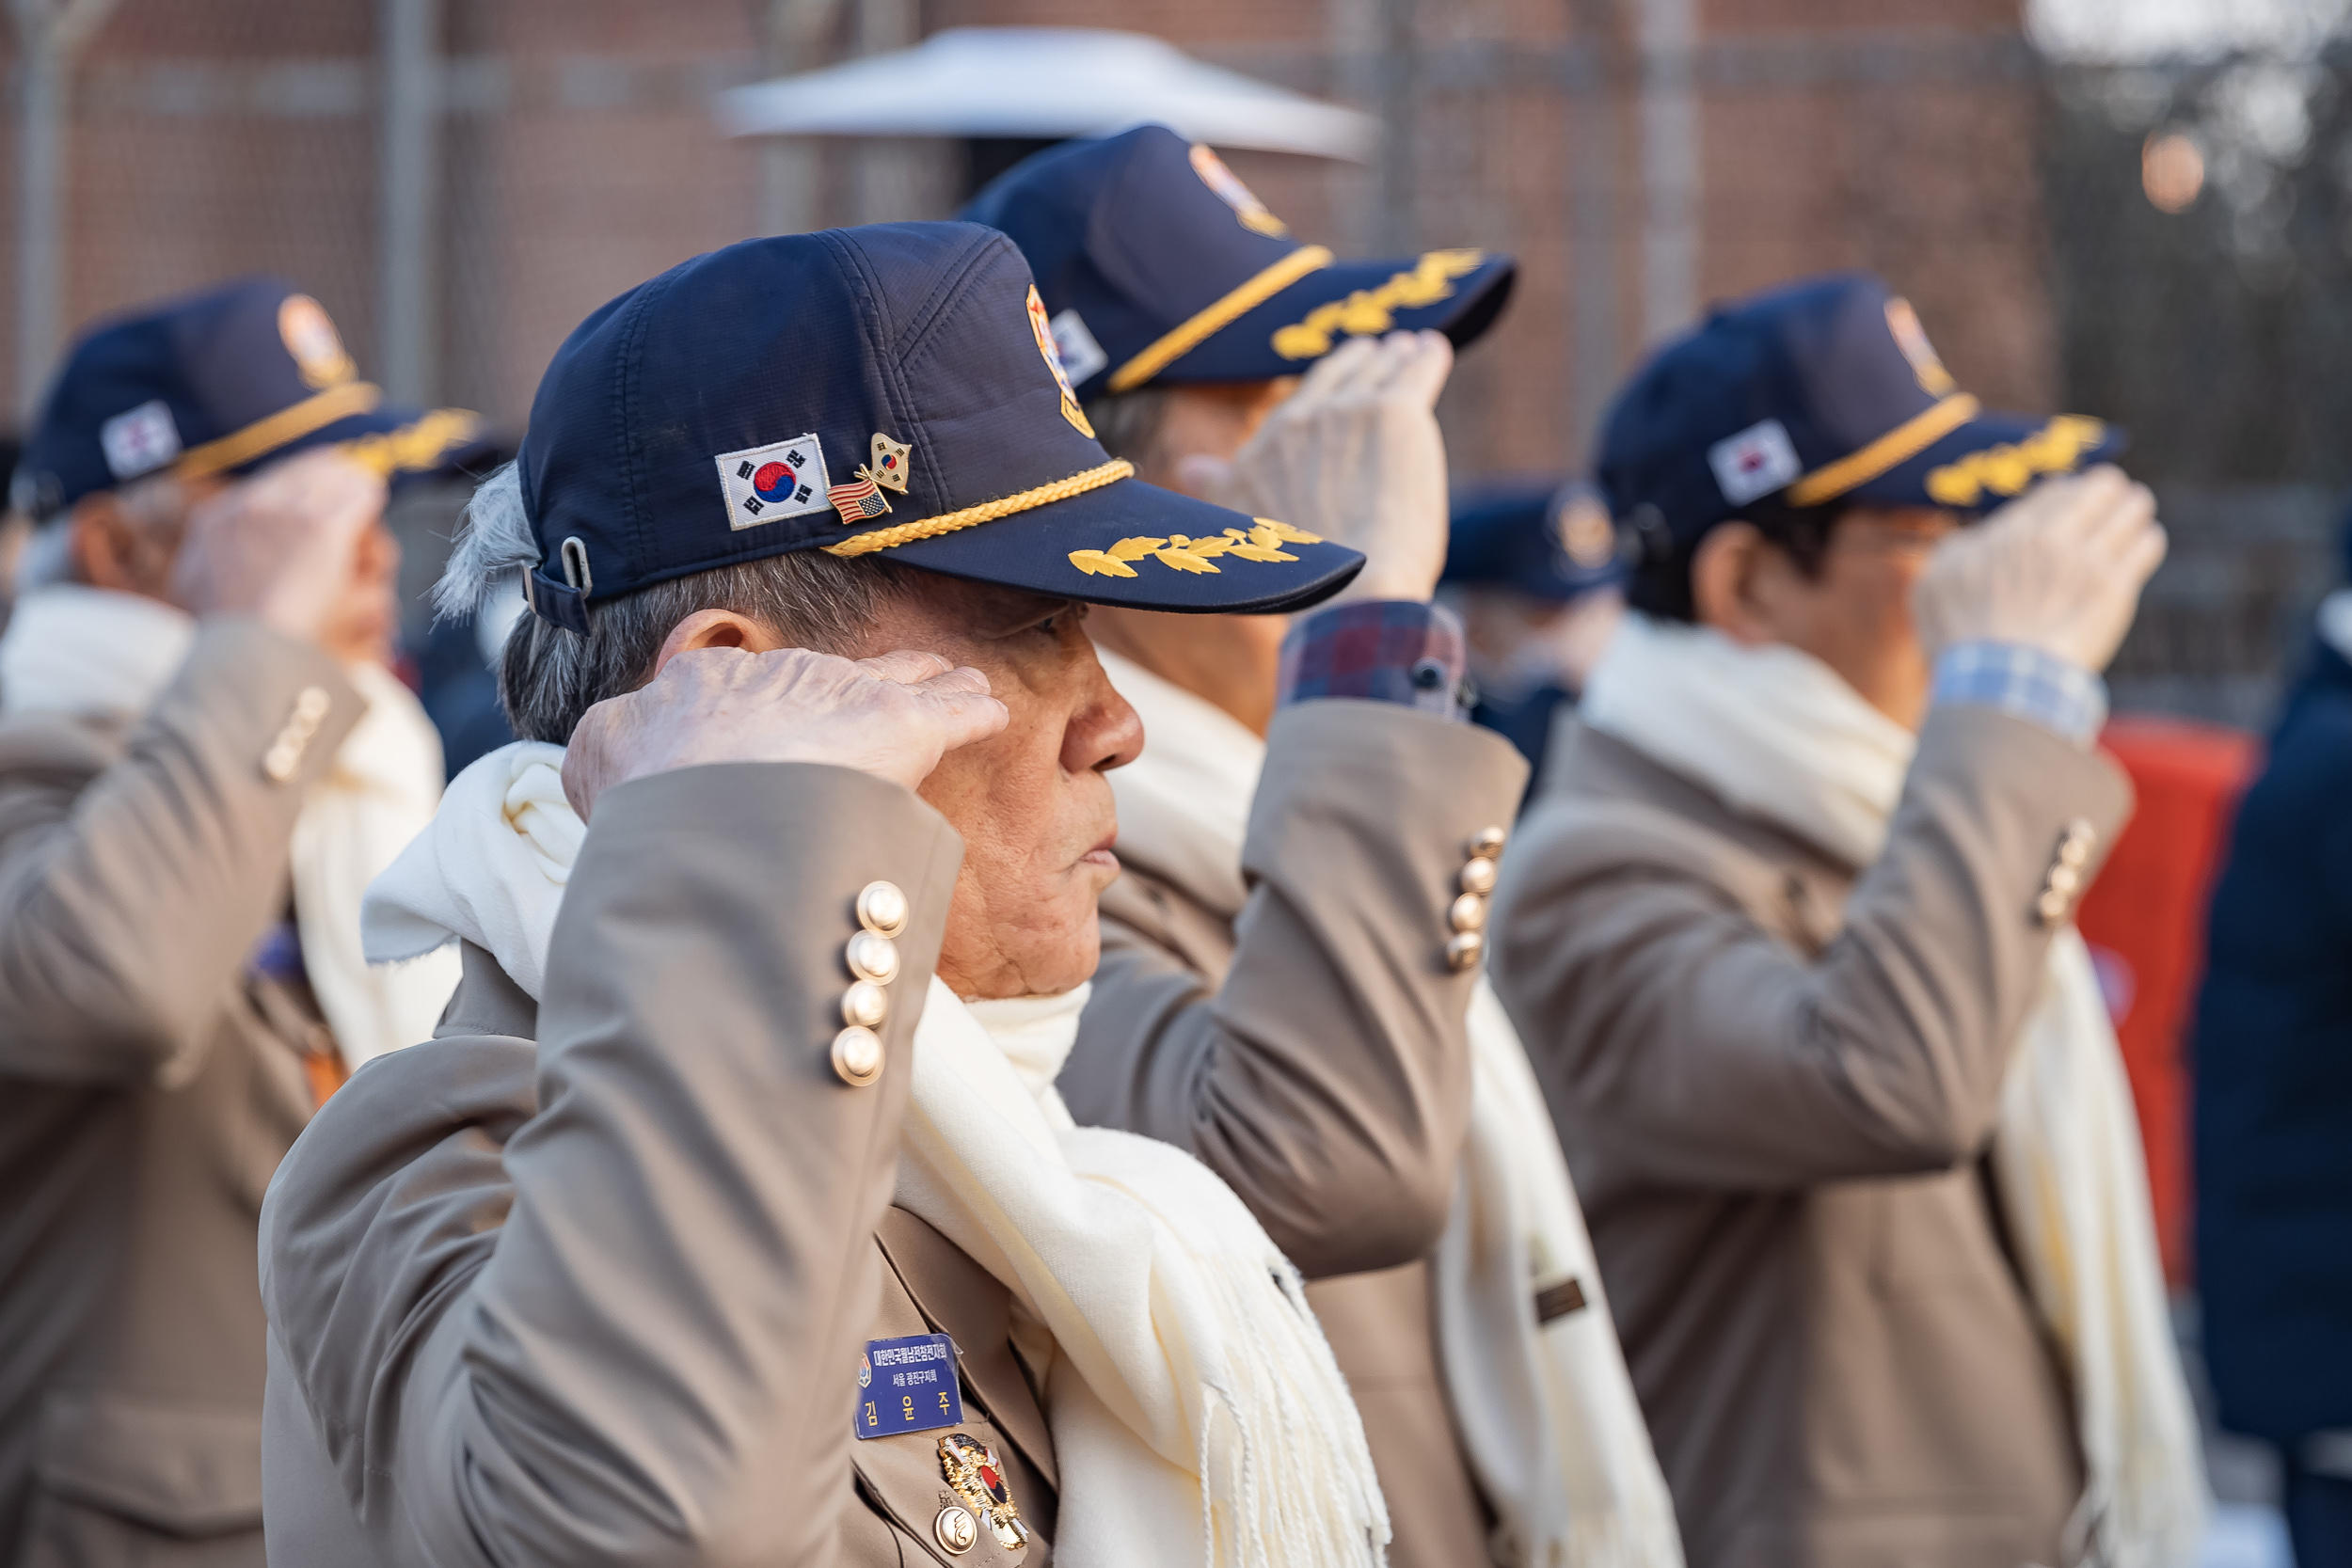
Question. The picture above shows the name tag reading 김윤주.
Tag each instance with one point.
(907, 1386)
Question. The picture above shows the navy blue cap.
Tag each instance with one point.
(1156, 264)
(1821, 390)
(889, 390)
(219, 383)
(1546, 537)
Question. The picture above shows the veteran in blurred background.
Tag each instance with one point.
(1532, 570)
(1789, 935)
(1469, 1319)
(203, 759)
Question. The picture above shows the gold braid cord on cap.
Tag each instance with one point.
(986, 512)
(1224, 312)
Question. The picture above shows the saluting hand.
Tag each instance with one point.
(2060, 569)
(892, 716)
(1354, 455)
(300, 548)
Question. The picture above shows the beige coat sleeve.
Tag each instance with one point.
(1681, 1043)
(130, 900)
(1327, 1080)
(632, 1334)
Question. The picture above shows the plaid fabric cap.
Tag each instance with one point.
(2024, 683)
(1384, 650)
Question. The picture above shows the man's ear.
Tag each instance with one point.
(103, 543)
(717, 628)
(1724, 571)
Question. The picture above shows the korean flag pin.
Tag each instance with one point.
(890, 463)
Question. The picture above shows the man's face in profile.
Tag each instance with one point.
(1032, 803)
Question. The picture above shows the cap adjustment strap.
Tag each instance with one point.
(986, 511)
(1188, 336)
(1904, 442)
(575, 554)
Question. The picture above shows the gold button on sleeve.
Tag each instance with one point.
(1478, 875)
(1468, 914)
(873, 956)
(881, 908)
(865, 1005)
(280, 762)
(1485, 844)
(857, 1055)
(1463, 948)
(2064, 879)
(2051, 907)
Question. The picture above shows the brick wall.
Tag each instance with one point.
(579, 157)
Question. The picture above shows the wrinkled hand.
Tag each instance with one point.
(1354, 455)
(894, 717)
(2059, 569)
(294, 546)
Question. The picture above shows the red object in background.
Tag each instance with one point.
(2145, 921)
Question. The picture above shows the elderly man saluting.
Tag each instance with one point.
(732, 1216)
(1788, 939)
(202, 762)
(1400, 1156)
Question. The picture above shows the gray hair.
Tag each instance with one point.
(549, 676)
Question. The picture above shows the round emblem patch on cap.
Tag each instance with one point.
(1581, 529)
(309, 336)
(1910, 337)
(1254, 215)
(1044, 331)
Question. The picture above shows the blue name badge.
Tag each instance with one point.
(907, 1386)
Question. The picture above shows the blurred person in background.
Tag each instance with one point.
(2273, 1062)
(1533, 571)
(1468, 1322)
(202, 762)
(1789, 935)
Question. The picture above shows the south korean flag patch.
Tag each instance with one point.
(784, 479)
(1756, 461)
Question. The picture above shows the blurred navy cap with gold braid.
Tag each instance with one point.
(222, 382)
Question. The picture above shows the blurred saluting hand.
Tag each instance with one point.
(1354, 455)
(2060, 569)
(299, 547)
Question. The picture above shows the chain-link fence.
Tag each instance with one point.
(2200, 225)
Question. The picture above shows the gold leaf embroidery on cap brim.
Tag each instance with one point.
(1370, 311)
(2007, 469)
(1264, 541)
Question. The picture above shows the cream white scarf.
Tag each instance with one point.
(1197, 1415)
(89, 653)
(1547, 1411)
(1775, 733)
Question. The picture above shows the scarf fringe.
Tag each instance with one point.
(1280, 1507)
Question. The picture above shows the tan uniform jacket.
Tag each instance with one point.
(148, 1087)
(589, 1284)
(1775, 1082)
(1340, 1126)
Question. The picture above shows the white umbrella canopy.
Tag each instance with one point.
(1044, 82)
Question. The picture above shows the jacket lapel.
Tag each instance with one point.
(962, 1300)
